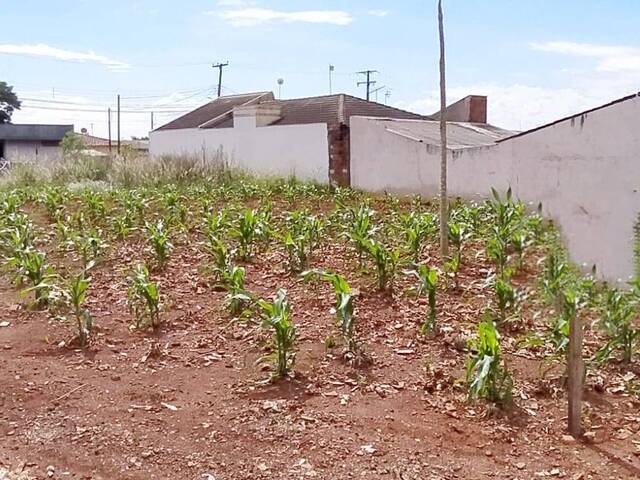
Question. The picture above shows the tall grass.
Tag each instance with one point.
(130, 171)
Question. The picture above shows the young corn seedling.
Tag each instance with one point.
(276, 315)
(506, 297)
(77, 295)
(123, 225)
(428, 283)
(417, 228)
(90, 246)
(252, 226)
(497, 250)
(458, 235)
(344, 306)
(555, 277)
(216, 224)
(570, 301)
(94, 205)
(302, 239)
(144, 298)
(158, 238)
(237, 299)
(487, 375)
(386, 262)
(221, 256)
(361, 230)
(31, 266)
(54, 200)
(618, 312)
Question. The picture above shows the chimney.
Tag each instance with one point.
(257, 115)
(472, 108)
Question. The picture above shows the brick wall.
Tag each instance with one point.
(339, 156)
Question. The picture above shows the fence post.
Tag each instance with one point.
(575, 368)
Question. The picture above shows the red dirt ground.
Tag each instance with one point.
(193, 402)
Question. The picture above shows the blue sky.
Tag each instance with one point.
(536, 60)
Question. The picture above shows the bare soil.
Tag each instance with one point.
(193, 400)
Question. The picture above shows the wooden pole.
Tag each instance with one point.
(575, 369)
(109, 127)
(118, 124)
(444, 207)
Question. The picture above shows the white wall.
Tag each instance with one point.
(24, 151)
(300, 150)
(585, 171)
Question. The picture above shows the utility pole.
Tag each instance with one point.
(109, 127)
(151, 120)
(368, 82)
(331, 69)
(387, 94)
(118, 124)
(220, 66)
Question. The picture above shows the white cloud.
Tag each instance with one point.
(612, 58)
(378, 13)
(521, 107)
(250, 17)
(234, 3)
(43, 50)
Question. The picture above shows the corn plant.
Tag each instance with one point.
(237, 298)
(386, 262)
(506, 297)
(276, 315)
(570, 301)
(427, 285)
(360, 229)
(94, 205)
(221, 257)
(159, 243)
(458, 235)
(487, 374)
(31, 266)
(417, 227)
(344, 305)
(556, 275)
(302, 239)
(53, 199)
(144, 298)
(90, 246)
(497, 249)
(618, 312)
(77, 295)
(123, 225)
(252, 226)
(216, 224)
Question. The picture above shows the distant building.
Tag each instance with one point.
(304, 137)
(98, 145)
(31, 142)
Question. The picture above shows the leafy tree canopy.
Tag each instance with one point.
(8, 102)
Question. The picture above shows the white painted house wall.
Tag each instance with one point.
(299, 150)
(585, 171)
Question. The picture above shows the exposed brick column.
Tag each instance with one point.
(339, 155)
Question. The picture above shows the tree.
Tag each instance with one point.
(8, 102)
(444, 208)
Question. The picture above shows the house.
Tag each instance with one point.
(31, 142)
(584, 169)
(304, 137)
(100, 146)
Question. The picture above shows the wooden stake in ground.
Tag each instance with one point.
(575, 369)
(444, 208)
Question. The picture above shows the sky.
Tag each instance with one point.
(536, 60)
